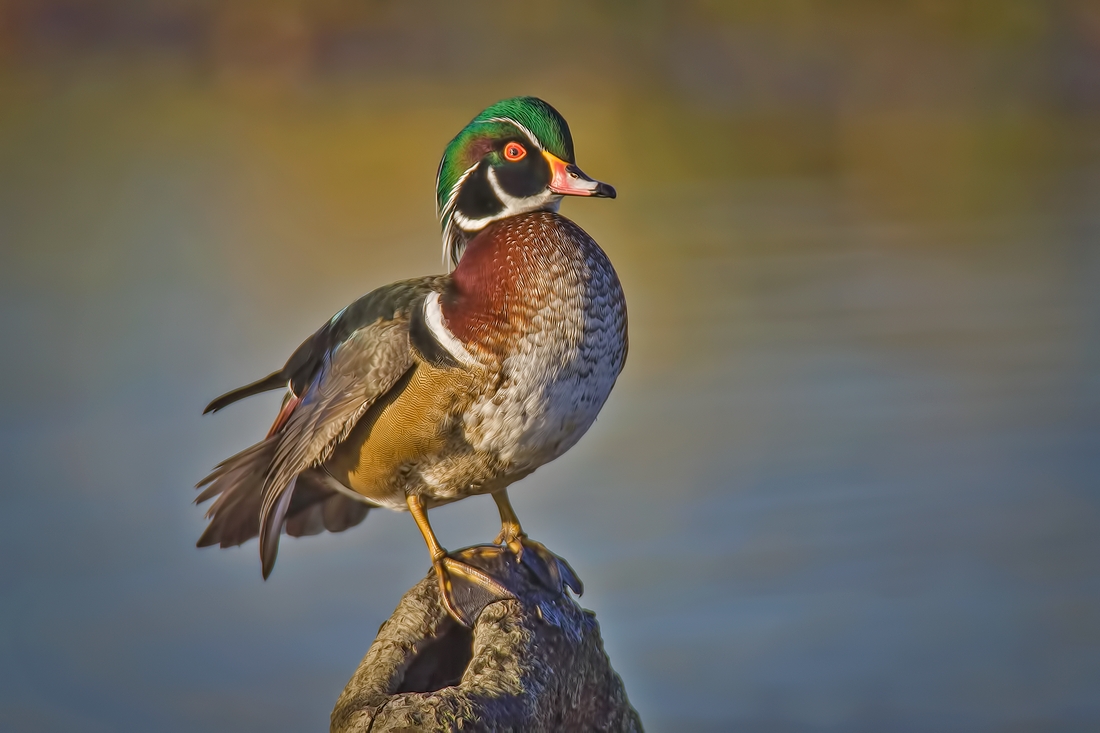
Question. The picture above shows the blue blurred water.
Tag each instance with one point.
(848, 482)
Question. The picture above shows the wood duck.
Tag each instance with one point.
(433, 389)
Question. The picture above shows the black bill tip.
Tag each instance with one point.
(604, 191)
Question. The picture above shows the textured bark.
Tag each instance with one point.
(533, 664)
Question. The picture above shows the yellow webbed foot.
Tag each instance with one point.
(467, 589)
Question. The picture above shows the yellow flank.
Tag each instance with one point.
(412, 421)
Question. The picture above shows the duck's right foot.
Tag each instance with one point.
(553, 572)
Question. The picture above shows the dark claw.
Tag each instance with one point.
(546, 572)
(551, 570)
(569, 577)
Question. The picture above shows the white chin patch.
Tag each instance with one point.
(433, 317)
(510, 206)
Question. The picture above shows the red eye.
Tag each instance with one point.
(514, 152)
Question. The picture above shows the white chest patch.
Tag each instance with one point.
(433, 317)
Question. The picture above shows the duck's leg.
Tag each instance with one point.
(465, 590)
(550, 569)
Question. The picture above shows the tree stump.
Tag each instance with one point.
(536, 663)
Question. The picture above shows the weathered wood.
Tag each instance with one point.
(532, 664)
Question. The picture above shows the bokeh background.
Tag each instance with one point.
(849, 480)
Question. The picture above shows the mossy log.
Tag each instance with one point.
(532, 664)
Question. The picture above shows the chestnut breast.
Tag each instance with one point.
(538, 302)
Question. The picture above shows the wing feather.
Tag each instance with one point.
(335, 376)
(357, 373)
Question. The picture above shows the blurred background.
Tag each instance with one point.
(848, 481)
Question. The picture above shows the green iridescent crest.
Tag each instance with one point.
(531, 114)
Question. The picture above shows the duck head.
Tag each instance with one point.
(514, 157)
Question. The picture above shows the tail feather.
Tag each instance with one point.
(237, 484)
(339, 513)
(269, 535)
(317, 508)
(275, 380)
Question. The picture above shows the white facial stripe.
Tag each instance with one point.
(449, 202)
(551, 202)
(520, 127)
(433, 317)
(449, 209)
(467, 224)
(511, 203)
(453, 244)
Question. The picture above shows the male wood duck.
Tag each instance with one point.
(433, 389)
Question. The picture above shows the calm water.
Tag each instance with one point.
(849, 480)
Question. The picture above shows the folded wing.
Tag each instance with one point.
(334, 378)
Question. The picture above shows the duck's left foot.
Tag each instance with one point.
(551, 570)
(464, 587)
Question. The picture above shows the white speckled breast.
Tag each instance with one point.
(562, 346)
